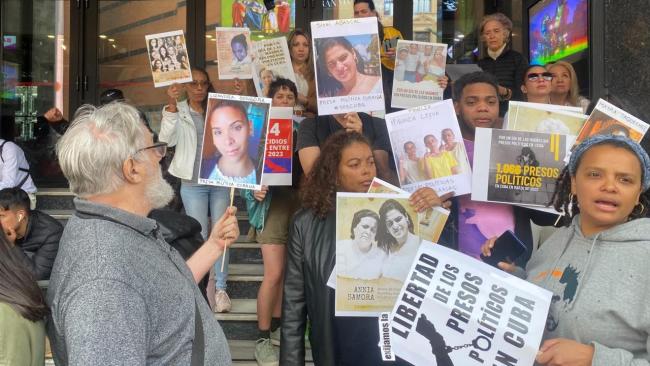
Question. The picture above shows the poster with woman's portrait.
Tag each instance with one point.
(272, 61)
(234, 53)
(168, 58)
(428, 149)
(608, 119)
(418, 66)
(233, 148)
(377, 237)
(347, 65)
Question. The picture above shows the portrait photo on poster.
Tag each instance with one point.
(233, 148)
(168, 58)
(348, 66)
(272, 61)
(234, 53)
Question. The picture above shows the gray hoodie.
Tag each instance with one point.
(601, 290)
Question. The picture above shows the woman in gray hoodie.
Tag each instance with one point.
(597, 266)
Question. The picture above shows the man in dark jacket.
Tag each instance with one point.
(35, 235)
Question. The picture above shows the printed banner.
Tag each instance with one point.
(168, 58)
(429, 150)
(233, 53)
(607, 118)
(348, 67)
(231, 141)
(376, 241)
(455, 310)
(272, 61)
(418, 66)
(544, 118)
(279, 148)
(517, 167)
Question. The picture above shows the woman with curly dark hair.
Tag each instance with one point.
(346, 164)
(22, 310)
(597, 265)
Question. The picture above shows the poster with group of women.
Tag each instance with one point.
(168, 58)
(428, 148)
(348, 67)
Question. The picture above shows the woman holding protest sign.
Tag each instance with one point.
(602, 192)
(346, 164)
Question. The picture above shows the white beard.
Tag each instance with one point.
(159, 192)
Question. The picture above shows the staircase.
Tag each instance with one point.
(245, 277)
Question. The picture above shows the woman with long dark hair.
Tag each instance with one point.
(22, 311)
(303, 68)
(182, 126)
(346, 164)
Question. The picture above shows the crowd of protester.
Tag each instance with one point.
(128, 277)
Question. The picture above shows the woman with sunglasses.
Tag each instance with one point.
(182, 126)
(536, 84)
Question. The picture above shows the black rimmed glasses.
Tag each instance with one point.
(160, 148)
(534, 76)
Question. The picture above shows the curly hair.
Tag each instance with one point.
(319, 191)
(564, 201)
(386, 241)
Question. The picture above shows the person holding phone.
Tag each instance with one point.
(595, 318)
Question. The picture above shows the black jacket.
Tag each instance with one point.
(509, 69)
(336, 341)
(40, 244)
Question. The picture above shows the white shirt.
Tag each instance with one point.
(398, 264)
(353, 263)
(13, 159)
(411, 62)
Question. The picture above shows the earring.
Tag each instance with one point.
(642, 210)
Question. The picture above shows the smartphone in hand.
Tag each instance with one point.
(506, 248)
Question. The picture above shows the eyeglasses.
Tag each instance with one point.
(160, 149)
(533, 76)
(196, 84)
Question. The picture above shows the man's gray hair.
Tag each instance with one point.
(93, 149)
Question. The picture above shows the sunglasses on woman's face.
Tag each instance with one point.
(534, 76)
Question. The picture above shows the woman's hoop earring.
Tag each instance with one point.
(642, 210)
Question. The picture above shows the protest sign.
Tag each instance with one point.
(428, 148)
(347, 65)
(431, 221)
(234, 53)
(376, 241)
(231, 141)
(455, 310)
(545, 118)
(418, 66)
(272, 61)
(278, 156)
(168, 58)
(607, 118)
(517, 167)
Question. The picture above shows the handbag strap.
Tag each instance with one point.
(198, 345)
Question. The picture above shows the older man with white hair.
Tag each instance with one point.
(119, 294)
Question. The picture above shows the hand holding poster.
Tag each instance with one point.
(231, 141)
(272, 61)
(517, 167)
(348, 67)
(278, 156)
(168, 58)
(606, 118)
(545, 118)
(233, 53)
(418, 66)
(429, 150)
(455, 310)
(376, 241)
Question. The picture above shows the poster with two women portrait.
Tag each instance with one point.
(428, 149)
(234, 53)
(232, 153)
(418, 66)
(168, 58)
(377, 237)
(272, 61)
(347, 65)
